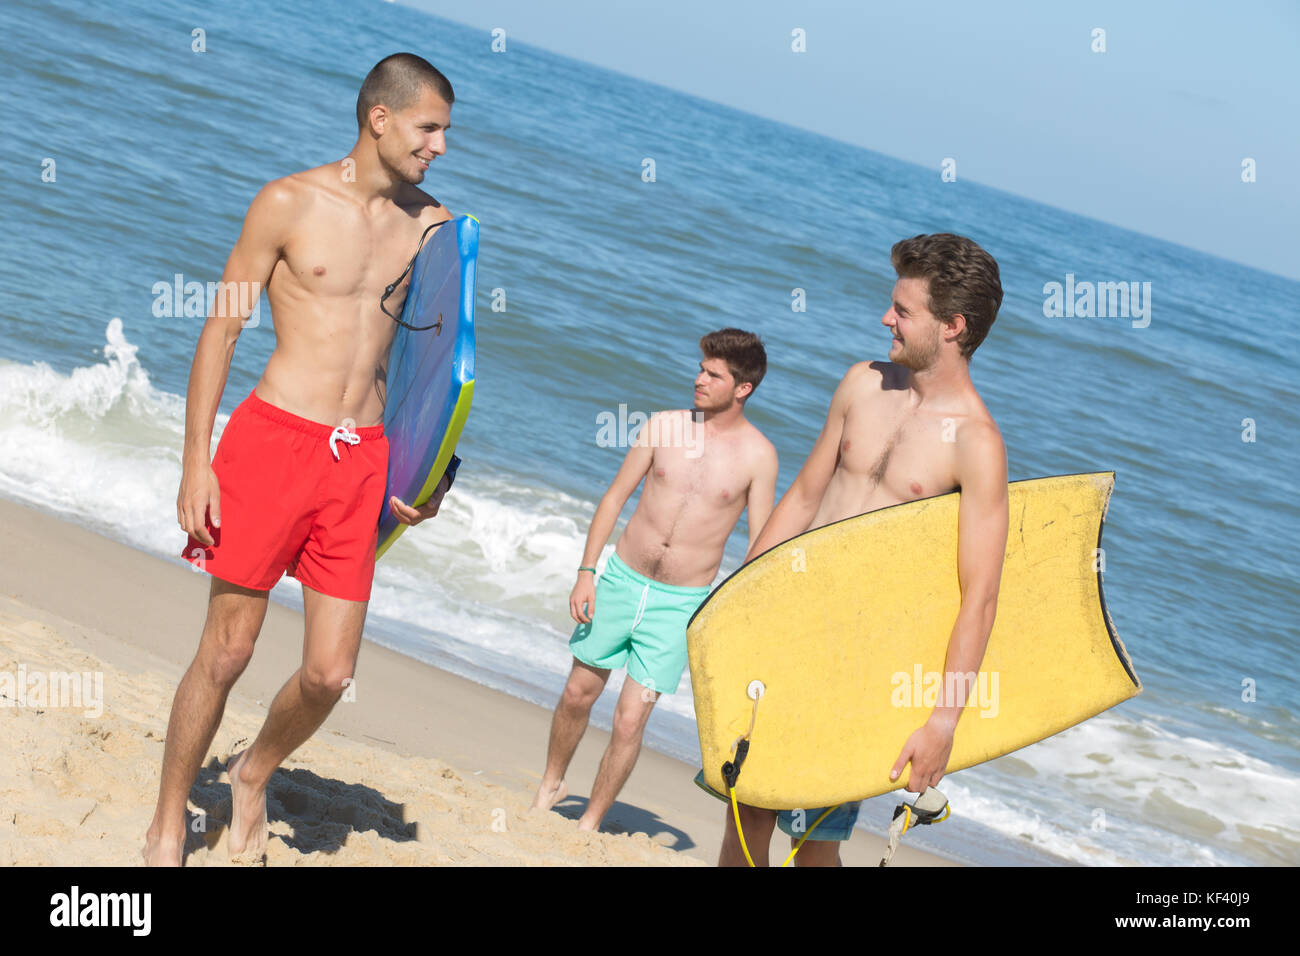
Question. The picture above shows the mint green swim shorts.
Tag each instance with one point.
(639, 622)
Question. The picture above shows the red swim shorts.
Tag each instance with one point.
(296, 496)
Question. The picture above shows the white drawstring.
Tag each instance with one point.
(342, 434)
(640, 608)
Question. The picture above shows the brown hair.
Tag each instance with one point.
(963, 279)
(742, 351)
(396, 80)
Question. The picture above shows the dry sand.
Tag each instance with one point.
(423, 768)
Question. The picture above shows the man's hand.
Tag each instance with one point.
(582, 599)
(200, 494)
(413, 516)
(928, 750)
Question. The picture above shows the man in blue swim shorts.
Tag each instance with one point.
(896, 431)
(702, 467)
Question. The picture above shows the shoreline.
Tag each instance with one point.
(424, 767)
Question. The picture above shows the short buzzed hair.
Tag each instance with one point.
(396, 81)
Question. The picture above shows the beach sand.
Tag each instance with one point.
(422, 768)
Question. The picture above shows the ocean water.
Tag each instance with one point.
(608, 282)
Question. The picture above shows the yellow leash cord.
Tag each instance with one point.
(735, 810)
(825, 813)
(740, 831)
(926, 810)
(755, 692)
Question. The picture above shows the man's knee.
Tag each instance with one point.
(234, 620)
(579, 696)
(628, 725)
(227, 649)
(325, 681)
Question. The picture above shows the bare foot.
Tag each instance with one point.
(586, 825)
(548, 797)
(160, 851)
(247, 812)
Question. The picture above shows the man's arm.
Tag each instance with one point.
(799, 504)
(251, 260)
(762, 494)
(582, 599)
(981, 546)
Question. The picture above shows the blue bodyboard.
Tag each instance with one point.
(430, 372)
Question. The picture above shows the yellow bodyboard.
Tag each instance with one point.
(847, 625)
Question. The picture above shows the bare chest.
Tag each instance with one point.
(342, 257)
(899, 455)
(709, 474)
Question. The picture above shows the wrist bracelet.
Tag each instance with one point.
(592, 570)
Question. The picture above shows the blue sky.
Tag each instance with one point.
(1149, 135)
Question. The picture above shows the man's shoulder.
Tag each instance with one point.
(666, 427)
(979, 441)
(759, 443)
(430, 210)
(752, 448)
(875, 375)
(297, 194)
(333, 178)
(864, 382)
(287, 192)
(979, 424)
(980, 429)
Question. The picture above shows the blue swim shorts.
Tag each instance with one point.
(838, 824)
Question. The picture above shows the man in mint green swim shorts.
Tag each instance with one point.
(702, 467)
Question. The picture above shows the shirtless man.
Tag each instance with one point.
(702, 470)
(299, 475)
(897, 431)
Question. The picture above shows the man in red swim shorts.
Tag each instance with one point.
(297, 483)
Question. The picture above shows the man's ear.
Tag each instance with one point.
(956, 326)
